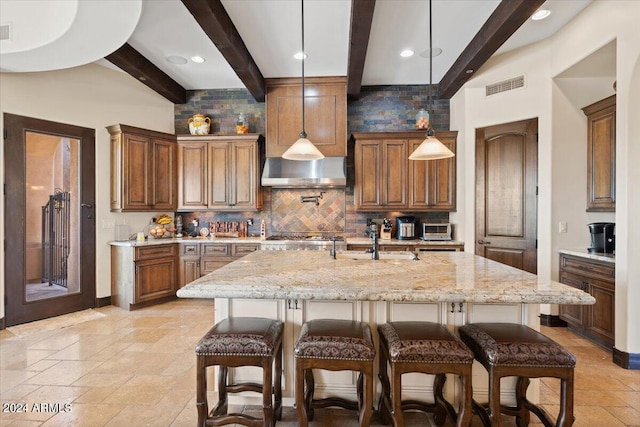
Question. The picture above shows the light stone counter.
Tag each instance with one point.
(167, 241)
(583, 253)
(436, 277)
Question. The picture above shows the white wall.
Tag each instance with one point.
(562, 156)
(91, 96)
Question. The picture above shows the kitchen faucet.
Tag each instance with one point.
(372, 231)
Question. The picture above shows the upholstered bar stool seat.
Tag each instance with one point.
(236, 342)
(428, 348)
(334, 345)
(506, 349)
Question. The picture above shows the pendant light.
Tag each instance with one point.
(303, 149)
(431, 148)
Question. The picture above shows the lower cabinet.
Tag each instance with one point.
(422, 247)
(143, 275)
(200, 259)
(597, 278)
(344, 383)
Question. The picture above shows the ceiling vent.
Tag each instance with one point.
(5, 32)
(503, 86)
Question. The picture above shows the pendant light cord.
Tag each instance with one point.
(303, 134)
(430, 131)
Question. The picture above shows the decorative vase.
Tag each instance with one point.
(242, 126)
(199, 124)
(422, 119)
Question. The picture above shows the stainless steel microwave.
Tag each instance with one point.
(436, 231)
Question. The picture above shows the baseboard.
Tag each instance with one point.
(103, 302)
(552, 321)
(3, 324)
(626, 360)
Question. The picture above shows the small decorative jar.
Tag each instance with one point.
(241, 125)
(422, 119)
(199, 124)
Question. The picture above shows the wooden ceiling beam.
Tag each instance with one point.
(359, 31)
(503, 22)
(216, 23)
(132, 62)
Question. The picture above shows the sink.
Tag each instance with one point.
(401, 256)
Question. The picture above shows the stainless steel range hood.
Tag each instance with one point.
(324, 173)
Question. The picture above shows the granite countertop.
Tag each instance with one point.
(584, 253)
(436, 277)
(416, 242)
(167, 241)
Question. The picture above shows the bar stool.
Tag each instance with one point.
(334, 345)
(507, 349)
(427, 348)
(235, 342)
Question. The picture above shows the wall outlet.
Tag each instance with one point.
(562, 227)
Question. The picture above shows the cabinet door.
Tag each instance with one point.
(244, 176)
(192, 175)
(368, 159)
(600, 317)
(601, 155)
(395, 162)
(432, 183)
(136, 168)
(155, 278)
(219, 175)
(189, 270)
(573, 314)
(164, 175)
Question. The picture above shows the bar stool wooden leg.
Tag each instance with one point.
(494, 399)
(201, 391)
(384, 404)
(523, 416)
(303, 420)
(466, 412)
(566, 417)
(366, 410)
(277, 384)
(267, 392)
(396, 396)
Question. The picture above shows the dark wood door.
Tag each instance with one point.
(219, 175)
(394, 178)
(506, 199)
(18, 308)
(244, 175)
(137, 179)
(164, 175)
(192, 175)
(368, 160)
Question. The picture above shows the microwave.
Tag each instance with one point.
(436, 231)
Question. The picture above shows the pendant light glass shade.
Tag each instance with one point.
(302, 149)
(431, 149)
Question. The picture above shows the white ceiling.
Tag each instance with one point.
(271, 31)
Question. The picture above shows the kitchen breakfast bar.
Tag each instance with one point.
(450, 288)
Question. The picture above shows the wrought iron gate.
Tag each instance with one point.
(55, 238)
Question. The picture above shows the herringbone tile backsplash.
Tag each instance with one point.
(289, 213)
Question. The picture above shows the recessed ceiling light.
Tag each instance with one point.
(197, 59)
(178, 60)
(407, 53)
(469, 71)
(436, 51)
(541, 14)
(300, 55)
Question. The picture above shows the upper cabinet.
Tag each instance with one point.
(325, 114)
(221, 173)
(143, 170)
(601, 155)
(385, 178)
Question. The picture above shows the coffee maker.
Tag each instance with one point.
(406, 227)
(603, 237)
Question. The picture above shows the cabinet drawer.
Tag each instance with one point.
(586, 267)
(216, 250)
(242, 249)
(155, 251)
(190, 249)
(207, 265)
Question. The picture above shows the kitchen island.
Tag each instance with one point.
(452, 288)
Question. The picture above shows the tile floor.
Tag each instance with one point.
(137, 369)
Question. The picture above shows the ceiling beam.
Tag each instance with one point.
(217, 24)
(359, 31)
(132, 62)
(503, 22)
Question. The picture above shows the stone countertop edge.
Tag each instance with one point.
(584, 253)
(349, 241)
(415, 242)
(437, 277)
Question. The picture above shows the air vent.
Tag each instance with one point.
(5, 32)
(503, 86)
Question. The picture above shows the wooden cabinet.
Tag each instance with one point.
(598, 279)
(189, 263)
(199, 259)
(143, 170)
(143, 275)
(325, 114)
(220, 173)
(385, 178)
(601, 155)
(410, 247)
